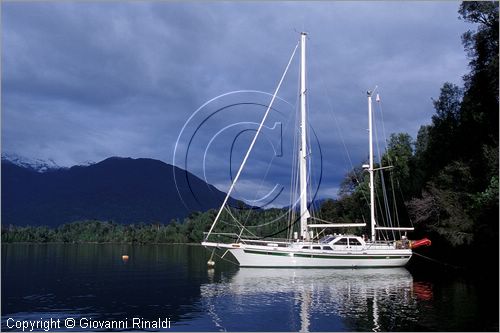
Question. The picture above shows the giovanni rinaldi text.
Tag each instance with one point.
(87, 323)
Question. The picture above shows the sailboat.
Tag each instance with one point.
(305, 249)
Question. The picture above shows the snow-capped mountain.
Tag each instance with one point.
(37, 165)
(124, 190)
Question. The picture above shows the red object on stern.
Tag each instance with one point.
(421, 242)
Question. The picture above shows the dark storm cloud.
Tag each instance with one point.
(85, 81)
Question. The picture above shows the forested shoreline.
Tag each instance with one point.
(190, 230)
(447, 177)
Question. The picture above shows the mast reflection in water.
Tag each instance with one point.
(312, 299)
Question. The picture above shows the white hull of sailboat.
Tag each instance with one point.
(260, 256)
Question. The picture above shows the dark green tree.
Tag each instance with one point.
(456, 159)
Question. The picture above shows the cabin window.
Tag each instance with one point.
(354, 242)
(316, 247)
(342, 241)
(327, 239)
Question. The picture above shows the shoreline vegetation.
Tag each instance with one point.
(102, 232)
(189, 231)
(447, 178)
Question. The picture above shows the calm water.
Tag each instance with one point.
(62, 281)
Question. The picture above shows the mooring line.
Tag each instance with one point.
(436, 261)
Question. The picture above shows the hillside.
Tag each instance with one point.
(124, 190)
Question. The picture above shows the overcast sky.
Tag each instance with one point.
(86, 81)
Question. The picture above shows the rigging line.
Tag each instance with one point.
(379, 102)
(320, 177)
(227, 223)
(237, 240)
(309, 155)
(294, 171)
(436, 261)
(262, 180)
(380, 210)
(339, 131)
(261, 184)
(236, 220)
(325, 221)
(382, 182)
(253, 142)
(390, 161)
(386, 201)
(386, 198)
(259, 188)
(345, 147)
(242, 227)
(340, 134)
(212, 256)
(277, 220)
(394, 203)
(379, 206)
(293, 185)
(280, 231)
(320, 153)
(379, 173)
(293, 193)
(404, 201)
(230, 261)
(396, 215)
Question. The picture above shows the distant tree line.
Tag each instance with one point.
(190, 230)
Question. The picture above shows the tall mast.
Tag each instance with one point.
(304, 213)
(370, 169)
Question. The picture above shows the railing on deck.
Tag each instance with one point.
(232, 237)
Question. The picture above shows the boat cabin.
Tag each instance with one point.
(343, 241)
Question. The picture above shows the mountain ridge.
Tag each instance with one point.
(121, 189)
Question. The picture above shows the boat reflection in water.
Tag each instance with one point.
(312, 300)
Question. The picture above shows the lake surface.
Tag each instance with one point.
(91, 284)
